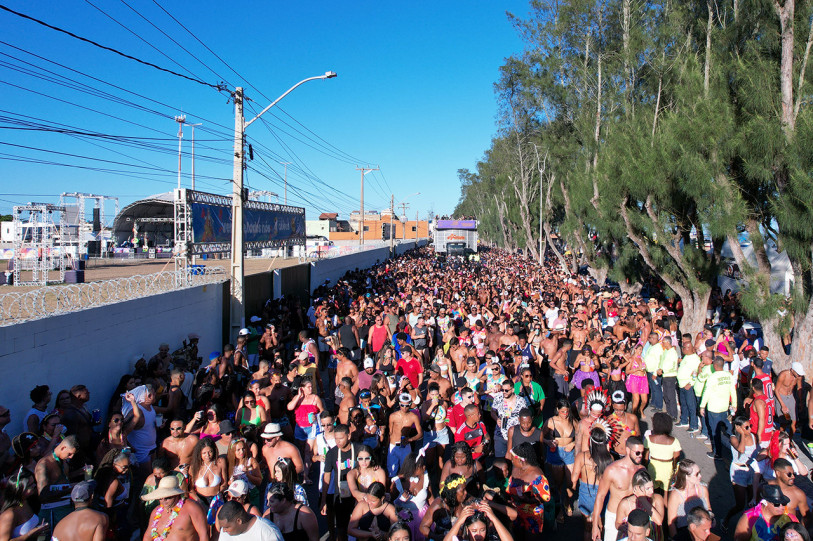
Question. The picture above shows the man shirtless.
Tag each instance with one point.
(578, 333)
(53, 484)
(786, 479)
(494, 336)
(788, 389)
(83, 524)
(627, 423)
(268, 342)
(278, 396)
(189, 524)
(616, 483)
(509, 339)
(179, 447)
(404, 428)
(274, 447)
(558, 363)
(176, 401)
(346, 369)
(348, 400)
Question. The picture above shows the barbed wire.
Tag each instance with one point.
(65, 299)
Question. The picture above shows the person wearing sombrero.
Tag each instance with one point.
(176, 515)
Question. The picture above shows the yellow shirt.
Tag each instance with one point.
(687, 370)
(720, 392)
(652, 358)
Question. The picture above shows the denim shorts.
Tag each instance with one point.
(306, 433)
(560, 457)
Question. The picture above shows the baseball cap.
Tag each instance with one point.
(238, 488)
(369, 362)
(434, 368)
(255, 319)
(214, 355)
(798, 368)
(83, 491)
(243, 332)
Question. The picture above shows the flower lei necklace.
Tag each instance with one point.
(165, 532)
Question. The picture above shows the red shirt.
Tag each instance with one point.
(411, 369)
(472, 436)
(456, 416)
(767, 432)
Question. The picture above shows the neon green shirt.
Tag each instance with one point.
(669, 362)
(652, 357)
(720, 392)
(687, 370)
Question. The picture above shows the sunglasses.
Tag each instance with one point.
(507, 390)
(176, 428)
(526, 376)
(365, 458)
(637, 453)
(116, 420)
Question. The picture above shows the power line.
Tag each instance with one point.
(175, 42)
(208, 121)
(159, 51)
(218, 87)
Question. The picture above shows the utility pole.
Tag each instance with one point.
(286, 164)
(416, 226)
(364, 171)
(180, 120)
(237, 315)
(404, 206)
(193, 151)
(392, 238)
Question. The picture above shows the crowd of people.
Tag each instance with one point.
(426, 398)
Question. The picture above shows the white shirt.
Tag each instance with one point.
(551, 316)
(261, 530)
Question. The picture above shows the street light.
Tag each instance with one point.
(240, 125)
(403, 205)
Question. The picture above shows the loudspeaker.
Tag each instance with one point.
(79, 264)
(97, 223)
(94, 248)
(75, 277)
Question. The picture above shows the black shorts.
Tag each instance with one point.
(341, 509)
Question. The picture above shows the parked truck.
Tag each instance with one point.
(455, 237)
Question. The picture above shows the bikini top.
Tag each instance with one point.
(201, 480)
(25, 527)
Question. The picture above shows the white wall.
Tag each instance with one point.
(6, 231)
(334, 268)
(95, 347)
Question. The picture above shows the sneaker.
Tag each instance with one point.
(702, 436)
(711, 454)
(694, 430)
(682, 425)
(809, 445)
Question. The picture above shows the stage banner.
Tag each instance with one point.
(265, 225)
(470, 225)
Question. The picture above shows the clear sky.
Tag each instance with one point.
(414, 95)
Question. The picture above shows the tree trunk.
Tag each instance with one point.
(707, 67)
(695, 305)
(630, 288)
(802, 347)
(786, 14)
(598, 274)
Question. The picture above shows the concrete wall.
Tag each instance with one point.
(96, 347)
(334, 268)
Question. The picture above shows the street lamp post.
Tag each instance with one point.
(404, 206)
(236, 267)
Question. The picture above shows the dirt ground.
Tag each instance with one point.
(109, 269)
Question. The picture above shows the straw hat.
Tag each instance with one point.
(167, 488)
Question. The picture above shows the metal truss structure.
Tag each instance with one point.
(84, 226)
(58, 300)
(183, 231)
(39, 243)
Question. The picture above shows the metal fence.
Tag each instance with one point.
(63, 299)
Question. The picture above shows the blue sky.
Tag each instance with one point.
(414, 95)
